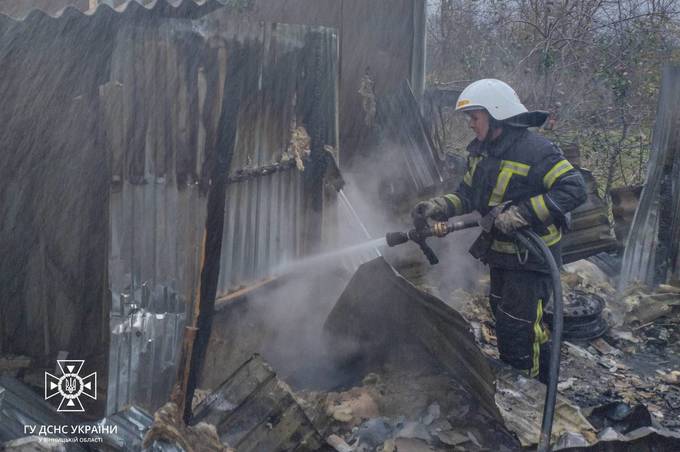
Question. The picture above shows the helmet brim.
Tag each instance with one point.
(469, 108)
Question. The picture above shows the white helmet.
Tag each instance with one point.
(498, 98)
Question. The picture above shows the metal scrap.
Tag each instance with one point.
(521, 400)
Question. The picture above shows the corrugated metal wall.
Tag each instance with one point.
(382, 38)
(269, 214)
(53, 191)
(280, 76)
(103, 174)
(652, 253)
(158, 147)
(107, 209)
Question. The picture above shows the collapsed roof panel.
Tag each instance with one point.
(382, 310)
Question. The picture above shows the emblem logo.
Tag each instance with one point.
(70, 386)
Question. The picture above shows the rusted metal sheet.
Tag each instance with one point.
(652, 249)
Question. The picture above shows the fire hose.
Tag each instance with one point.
(533, 244)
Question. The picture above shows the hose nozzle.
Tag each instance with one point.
(396, 238)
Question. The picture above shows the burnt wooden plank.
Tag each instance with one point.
(283, 431)
(253, 410)
(234, 391)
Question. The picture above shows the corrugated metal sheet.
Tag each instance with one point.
(104, 176)
(117, 186)
(652, 249)
(19, 8)
(37, 10)
(131, 425)
(163, 151)
(415, 164)
(20, 406)
(143, 359)
(382, 38)
(267, 217)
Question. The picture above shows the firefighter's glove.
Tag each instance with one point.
(510, 220)
(436, 209)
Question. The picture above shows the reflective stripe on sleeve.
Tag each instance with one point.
(555, 172)
(540, 208)
(457, 203)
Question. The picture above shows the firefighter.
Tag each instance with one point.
(510, 165)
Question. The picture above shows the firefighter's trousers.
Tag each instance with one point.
(517, 298)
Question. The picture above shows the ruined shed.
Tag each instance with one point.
(126, 133)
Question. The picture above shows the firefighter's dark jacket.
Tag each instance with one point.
(530, 171)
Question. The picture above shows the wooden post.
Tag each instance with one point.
(196, 336)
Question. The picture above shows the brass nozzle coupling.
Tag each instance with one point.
(440, 229)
